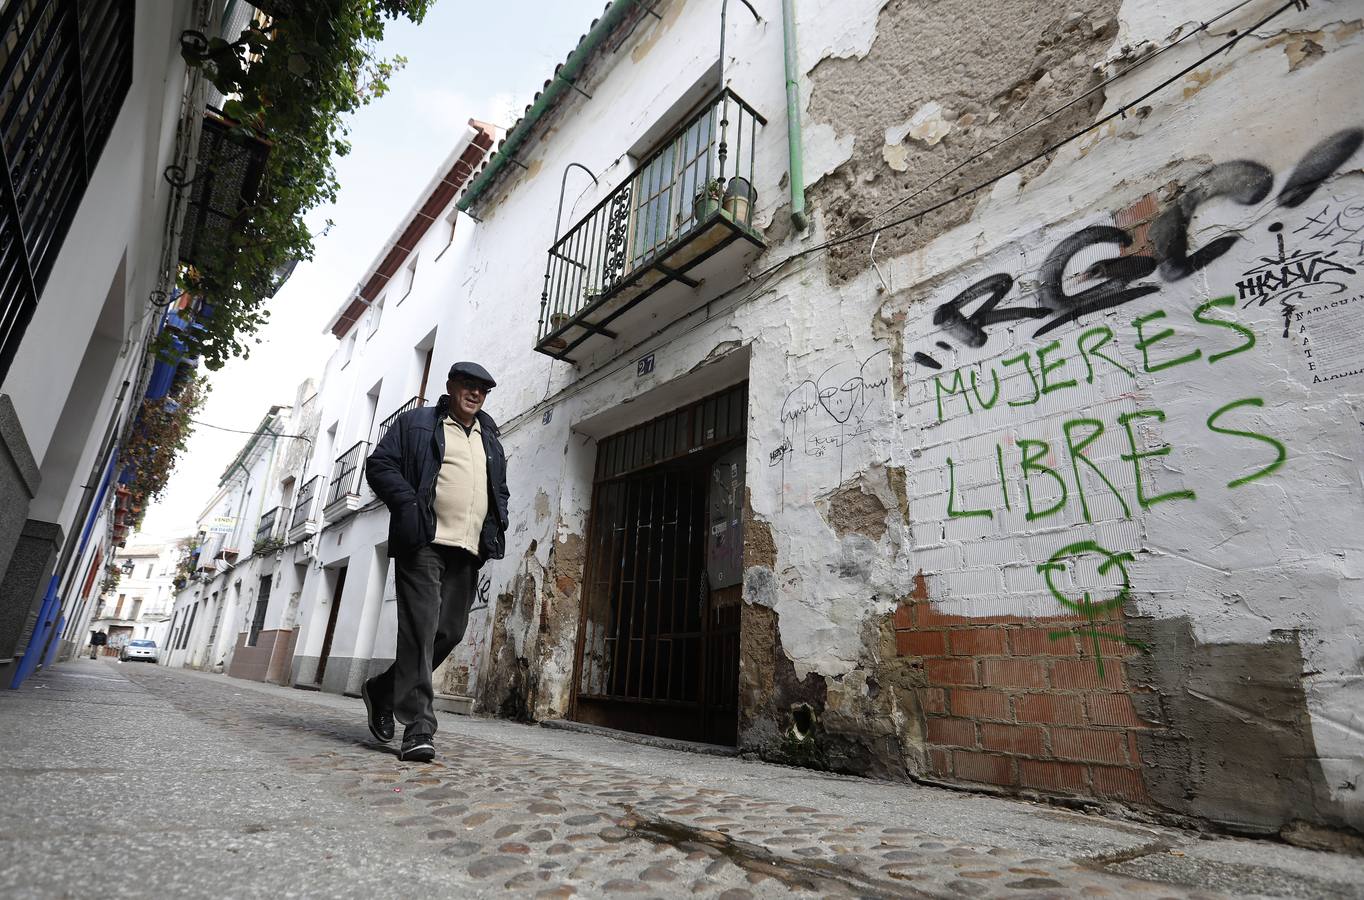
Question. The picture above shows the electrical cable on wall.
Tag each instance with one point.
(301, 437)
(1120, 112)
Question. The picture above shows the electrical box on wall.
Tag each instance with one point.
(725, 521)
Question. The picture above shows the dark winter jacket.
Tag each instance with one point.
(402, 472)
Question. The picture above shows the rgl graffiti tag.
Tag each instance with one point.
(1243, 181)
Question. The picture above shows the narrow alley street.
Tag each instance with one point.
(130, 780)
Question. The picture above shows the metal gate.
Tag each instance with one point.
(658, 648)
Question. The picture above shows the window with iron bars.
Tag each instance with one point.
(65, 69)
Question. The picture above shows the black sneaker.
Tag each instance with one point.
(417, 748)
(380, 717)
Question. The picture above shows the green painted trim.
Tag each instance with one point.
(558, 85)
(793, 132)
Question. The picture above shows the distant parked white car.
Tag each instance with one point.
(139, 649)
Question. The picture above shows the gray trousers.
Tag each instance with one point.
(436, 586)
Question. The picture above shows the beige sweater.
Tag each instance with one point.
(461, 488)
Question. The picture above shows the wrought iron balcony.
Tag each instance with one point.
(414, 403)
(690, 199)
(348, 474)
(272, 525)
(305, 517)
(66, 68)
(226, 181)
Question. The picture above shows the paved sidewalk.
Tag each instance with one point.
(179, 784)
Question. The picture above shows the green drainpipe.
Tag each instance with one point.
(558, 85)
(797, 179)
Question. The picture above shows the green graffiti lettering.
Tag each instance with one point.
(1077, 456)
(1144, 344)
(1026, 359)
(1136, 456)
(1105, 334)
(1031, 463)
(952, 511)
(1223, 323)
(956, 387)
(1047, 367)
(999, 467)
(1253, 435)
(975, 389)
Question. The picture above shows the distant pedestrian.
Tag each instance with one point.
(442, 474)
(97, 640)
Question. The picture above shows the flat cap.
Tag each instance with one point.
(471, 370)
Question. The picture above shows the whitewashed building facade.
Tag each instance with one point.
(967, 394)
(139, 606)
(244, 556)
(1031, 459)
(100, 107)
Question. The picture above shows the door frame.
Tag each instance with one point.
(592, 710)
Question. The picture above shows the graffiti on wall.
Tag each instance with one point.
(823, 415)
(1308, 275)
(1120, 278)
(1308, 272)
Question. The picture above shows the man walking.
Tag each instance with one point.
(442, 474)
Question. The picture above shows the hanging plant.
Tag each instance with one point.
(159, 435)
(109, 583)
(268, 546)
(188, 549)
(292, 82)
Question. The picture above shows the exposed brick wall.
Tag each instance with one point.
(1012, 702)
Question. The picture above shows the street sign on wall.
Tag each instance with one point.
(222, 524)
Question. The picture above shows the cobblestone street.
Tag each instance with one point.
(135, 780)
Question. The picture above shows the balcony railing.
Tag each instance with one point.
(414, 403)
(272, 525)
(227, 178)
(305, 507)
(347, 474)
(690, 197)
(66, 68)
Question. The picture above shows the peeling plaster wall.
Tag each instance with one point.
(849, 485)
(940, 82)
(1249, 553)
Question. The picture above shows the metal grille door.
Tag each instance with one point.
(642, 638)
(658, 648)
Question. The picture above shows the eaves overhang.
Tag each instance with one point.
(617, 15)
(449, 179)
(263, 429)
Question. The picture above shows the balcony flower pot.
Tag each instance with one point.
(556, 321)
(708, 200)
(739, 199)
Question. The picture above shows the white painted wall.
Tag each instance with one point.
(111, 254)
(122, 213)
(386, 356)
(1279, 553)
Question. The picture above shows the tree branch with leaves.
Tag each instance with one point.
(291, 82)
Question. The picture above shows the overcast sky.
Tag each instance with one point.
(479, 60)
